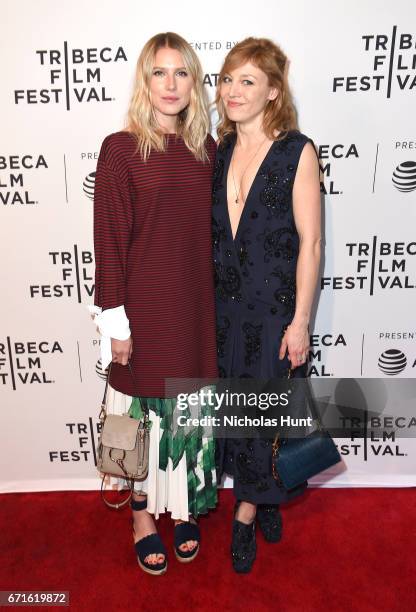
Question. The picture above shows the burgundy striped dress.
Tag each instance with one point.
(153, 254)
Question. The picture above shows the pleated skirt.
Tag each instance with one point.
(182, 476)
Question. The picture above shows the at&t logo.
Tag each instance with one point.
(404, 176)
(88, 185)
(98, 366)
(392, 362)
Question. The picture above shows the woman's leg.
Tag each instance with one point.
(246, 512)
(243, 544)
(144, 525)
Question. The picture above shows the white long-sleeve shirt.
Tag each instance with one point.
(111, 323)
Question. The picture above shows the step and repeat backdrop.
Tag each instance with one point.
(66, 77)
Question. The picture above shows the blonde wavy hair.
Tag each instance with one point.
(280, 113)
(193, 123)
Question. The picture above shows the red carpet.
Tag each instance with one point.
(342, 550)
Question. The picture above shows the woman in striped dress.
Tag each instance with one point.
(154, 295)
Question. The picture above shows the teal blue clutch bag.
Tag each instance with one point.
(294, 460)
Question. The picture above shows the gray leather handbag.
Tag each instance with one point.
(123, 447)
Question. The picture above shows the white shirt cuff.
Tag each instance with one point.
(111, 323)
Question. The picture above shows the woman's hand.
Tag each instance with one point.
(296, 342)
(121, 350)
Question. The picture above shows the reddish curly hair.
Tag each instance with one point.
(279, 114)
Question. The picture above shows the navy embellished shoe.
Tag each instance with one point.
(149, 545)
(183, 533)
(243, 545)
(270, 521)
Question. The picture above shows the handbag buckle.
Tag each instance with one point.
(118, 459)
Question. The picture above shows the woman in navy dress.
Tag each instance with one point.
(266, 233)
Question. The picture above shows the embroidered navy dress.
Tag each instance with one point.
(255, 282)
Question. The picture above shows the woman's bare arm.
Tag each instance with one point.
(307, 214)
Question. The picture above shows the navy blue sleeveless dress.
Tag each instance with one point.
(255, 284)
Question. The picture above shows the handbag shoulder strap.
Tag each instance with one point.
(103, 411)
(311, 403)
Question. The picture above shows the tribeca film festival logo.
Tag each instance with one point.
(318, 343)
(392, 65)
(329, 153)
(374, 436)
(75, 276)
(83, 433)
(73, 76)
(377, 265)
(13, 171)
(21, 363)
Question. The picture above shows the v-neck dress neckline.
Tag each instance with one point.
(250, 191)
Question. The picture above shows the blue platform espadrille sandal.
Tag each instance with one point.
(183, 533)
(149, 545)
